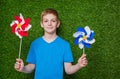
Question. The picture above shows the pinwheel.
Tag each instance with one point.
(84, 37)
(20, 26)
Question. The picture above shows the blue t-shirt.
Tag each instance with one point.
(49, 58)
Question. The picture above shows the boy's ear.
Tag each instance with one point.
(41, 24)
(58, 25)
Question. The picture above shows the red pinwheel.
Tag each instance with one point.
(20, 26)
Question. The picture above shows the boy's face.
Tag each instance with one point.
(50, 23)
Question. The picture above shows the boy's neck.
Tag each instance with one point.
(49, 37)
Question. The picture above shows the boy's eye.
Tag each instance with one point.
(53, 20)
(45, 21)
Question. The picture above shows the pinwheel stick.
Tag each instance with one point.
(20, 48)
(83, 50)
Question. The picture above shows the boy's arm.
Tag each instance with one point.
(19, 66)
(28, 68)
(70, 69)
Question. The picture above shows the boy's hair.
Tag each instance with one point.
(49, 11)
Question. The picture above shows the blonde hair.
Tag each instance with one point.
(49, 11)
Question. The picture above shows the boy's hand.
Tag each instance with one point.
(19, 65)
(82, 61)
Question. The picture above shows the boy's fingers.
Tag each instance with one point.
(17, 66)
(19, 60)
(83, 56)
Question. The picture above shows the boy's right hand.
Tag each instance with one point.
(19, 65)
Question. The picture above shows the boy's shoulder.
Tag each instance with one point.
(63, 40)
(36, 40)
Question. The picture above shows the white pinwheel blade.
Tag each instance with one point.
(76, 34)
(29, 26)
(81, 45)
(87, 29)
(18, 34)
(21, 16)
(90, 41)
(13, 22)
(80, 39)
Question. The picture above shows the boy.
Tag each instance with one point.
(49, 55)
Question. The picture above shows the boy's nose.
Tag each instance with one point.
(49, 23)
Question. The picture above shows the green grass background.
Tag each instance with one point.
(103, 16)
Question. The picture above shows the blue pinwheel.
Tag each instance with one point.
(84, 37)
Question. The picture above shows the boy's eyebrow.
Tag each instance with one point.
(52, 18)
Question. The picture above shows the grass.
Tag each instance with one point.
(101, 15)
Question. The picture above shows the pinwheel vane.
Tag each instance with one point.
(84, 37)
(20, 27)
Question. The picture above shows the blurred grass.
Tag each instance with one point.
(101, 15)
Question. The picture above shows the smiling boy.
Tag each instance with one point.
(50, 55)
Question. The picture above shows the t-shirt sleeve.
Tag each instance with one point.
(68, 57)
(31, 58)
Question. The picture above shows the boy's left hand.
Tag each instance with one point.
(82, 61)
